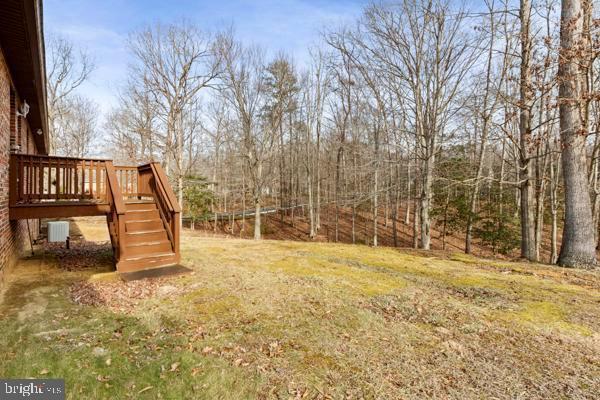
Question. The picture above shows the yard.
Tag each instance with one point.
(280, 319)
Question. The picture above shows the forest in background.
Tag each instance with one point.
(419, 119)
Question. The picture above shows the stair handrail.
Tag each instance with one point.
(165, 187)
(114, 188)
(166, 196)
(117, 206)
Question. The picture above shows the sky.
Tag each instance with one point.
(101, 27)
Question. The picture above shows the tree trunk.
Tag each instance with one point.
(375, 206)
(416, 223)
(554, 174)
(257, 221)
(318, 172)
(408, 193)
(578, 247)
(353, 222)
(311, 211)
(395, 216)
(527, 191)
(426, 196)
(540, 199)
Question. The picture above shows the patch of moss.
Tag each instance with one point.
(341, 274)
(542, 312)
(200, 294)
(545, 314)
(464, 258)
(218, 307)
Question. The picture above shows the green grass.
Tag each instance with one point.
(283, 320)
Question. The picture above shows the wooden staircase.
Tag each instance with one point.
(141, 209)
(145, 226)
(146, 243)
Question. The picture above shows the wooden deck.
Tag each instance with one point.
(141, 209)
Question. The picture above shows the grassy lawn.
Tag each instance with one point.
(279, 319)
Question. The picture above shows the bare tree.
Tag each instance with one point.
(489, 100)
(67, 69)
(133, 125)
(76, 131)
(527, 188)
(244, 87)
(425, 45)
(174, 62)
(578, 246)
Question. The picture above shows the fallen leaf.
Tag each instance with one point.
(44, 372)
(174, 366)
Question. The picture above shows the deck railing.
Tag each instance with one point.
(39, 178)
(127, 177)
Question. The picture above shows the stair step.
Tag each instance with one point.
(146, 199)
(157, 254)
(144, 249)
(153, 261)
(156, 272)
(146, 236)
(141, 215)
(140, 206)
(141, 226)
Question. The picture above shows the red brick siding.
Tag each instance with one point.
(13, 234)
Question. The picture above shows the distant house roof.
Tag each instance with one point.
(22, 43)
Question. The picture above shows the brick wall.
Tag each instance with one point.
(13, 234)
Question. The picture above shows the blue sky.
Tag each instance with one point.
(102, 27)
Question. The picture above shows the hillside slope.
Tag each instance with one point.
(296, 227)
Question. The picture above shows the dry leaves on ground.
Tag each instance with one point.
(118, 296)
(81, 255)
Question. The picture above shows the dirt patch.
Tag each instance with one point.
(36, 304)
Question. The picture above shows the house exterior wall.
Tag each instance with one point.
(14, 236)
